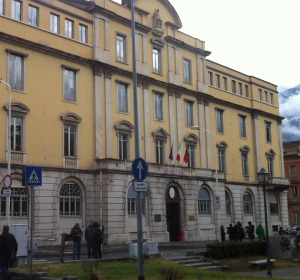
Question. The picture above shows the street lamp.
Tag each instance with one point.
(8, 149)
(263, 178)
(216, 168)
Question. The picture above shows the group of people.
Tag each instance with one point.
(94, 240)
(237, 232)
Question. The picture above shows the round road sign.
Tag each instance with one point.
(7, 181)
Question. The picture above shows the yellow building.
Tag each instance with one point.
(70, 68)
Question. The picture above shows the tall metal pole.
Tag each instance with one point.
(269, 274)
(137, 149)
(8, 149)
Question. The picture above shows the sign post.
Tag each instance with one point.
(140, 171)
(32, 177)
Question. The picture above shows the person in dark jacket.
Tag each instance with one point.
(230, 232)
(89, 236)
(98, 241)
(8, 250)
(76, 234)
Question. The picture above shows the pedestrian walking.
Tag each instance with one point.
(89, 236)
(98, 241)
(8, 250)
(250, 231)
(76, 234)
(222, 234)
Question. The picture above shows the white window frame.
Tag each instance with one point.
(225, 84)
(228, 203)
(83, 33)
(69, 28)
(54, 23)
(187, 73)
(16, 9)
(245, 164)
(218, 81)
(70, 140)
(233, 86)
(210, 78)
(69, 84)
(222, 159)
(18, 202)
(122, 95)
(123, 145)
(156, 61)
(240, 89)
(158, 106)
(246, 90)
(160, 150)
(191, 153)
(220, 120)
(17, 133)
(16, 71)
(121, 48)
(247, 203)
(268, 127)
(243, 128)
(189, 113)
(70, 200)
(33, 15)
(204, 202)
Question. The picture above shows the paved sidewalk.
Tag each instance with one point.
(287, 273)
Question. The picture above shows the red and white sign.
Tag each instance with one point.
(7, 181)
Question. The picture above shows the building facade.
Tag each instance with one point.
(292, 171)
(70, 68)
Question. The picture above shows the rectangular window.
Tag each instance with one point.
(16, 9)
(221, 156)
(274, 208)
(189, 114)
(122, 97)
(225, 83)
(131, 206)
(123, 146)
(260, 98)
(69, 28)
(159, 148)
(243, 127)
(271, 166)
(233, 86)
(293, 170)
(266, 97)
(240, 85)
(16, 71)
(156, 57)
(245, 166)
(271, 98)
(247, 91)
(220, 121)
(70, 92)
(83, 33)
(210, 79)
(218, 81)
(70, 140)
(33, 15)
(191, 154)
(1, 7)
(294, 191)
(158, 106)
(204, 207)
(268, 132)
(121, 48)
(54, 23)
(16, 130)
(187, 71)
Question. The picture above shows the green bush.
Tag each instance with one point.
(235, 249)
(170, 274)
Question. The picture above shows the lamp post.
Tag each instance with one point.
(8, 149)
(263, 178)
(216, 171)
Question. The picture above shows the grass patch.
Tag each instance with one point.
(128, 270)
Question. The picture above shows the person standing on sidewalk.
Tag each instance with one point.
(8, 250)
(89, 236)
(76, 234)
(98, 240)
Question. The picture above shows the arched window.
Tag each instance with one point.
(247, 203)
(204, 202)
(70, 200)
(18, 202)
(131, 201)
(228, 203)
(273, 204)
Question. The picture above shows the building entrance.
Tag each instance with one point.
(173, 214)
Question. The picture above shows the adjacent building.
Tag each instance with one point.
(204, 129)
(292, 167)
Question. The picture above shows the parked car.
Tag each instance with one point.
(295, 230)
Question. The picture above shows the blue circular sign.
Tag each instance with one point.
(139, 169)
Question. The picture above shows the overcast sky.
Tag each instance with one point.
(257, 37)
